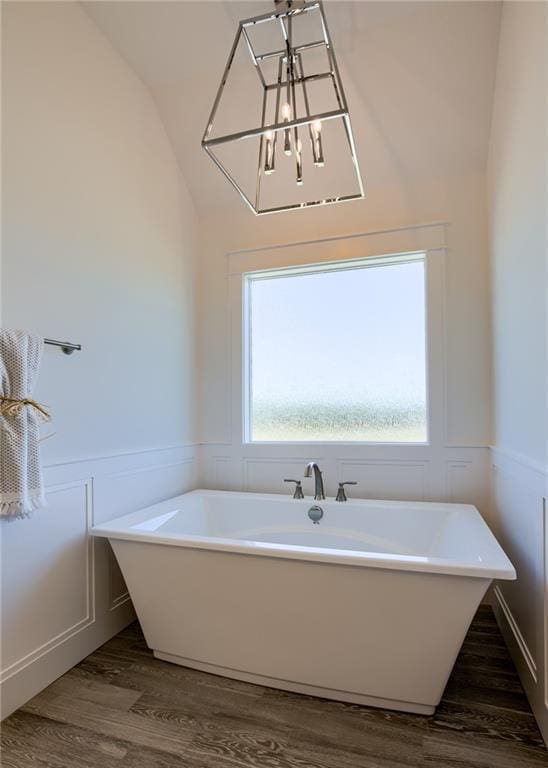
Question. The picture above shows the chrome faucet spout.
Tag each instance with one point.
(319, 494)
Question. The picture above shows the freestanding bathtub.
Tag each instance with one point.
(370, 605)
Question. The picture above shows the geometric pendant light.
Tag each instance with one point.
(279, 129)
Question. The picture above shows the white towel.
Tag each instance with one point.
(21, 483)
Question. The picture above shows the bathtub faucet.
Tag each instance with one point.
(319, 494)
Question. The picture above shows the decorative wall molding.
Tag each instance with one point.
(221, 471)
(519, 487)
(390, 472)
(117, 484)
(519, 459)
(466, 477)
(359, 245)
(149, 468)
(124, 455)
(111, 485)
(453, 470)
(116, 602)
(545, 623)
(98, 467)
(404, 479)
(88, 576)
(520, 640)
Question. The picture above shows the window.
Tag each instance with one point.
(337, 352)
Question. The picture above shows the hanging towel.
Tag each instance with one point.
(21, 484)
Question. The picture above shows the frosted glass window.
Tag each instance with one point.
(337, 354)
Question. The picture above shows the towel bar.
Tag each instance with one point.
(67, 347)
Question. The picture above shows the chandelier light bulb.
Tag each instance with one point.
(269, 152)
(286, 117)
(316, 140)
(298, 157)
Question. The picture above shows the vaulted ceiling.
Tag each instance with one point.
(419, 78)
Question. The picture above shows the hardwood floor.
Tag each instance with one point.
(121, 707)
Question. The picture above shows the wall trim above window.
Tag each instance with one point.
(399, 240)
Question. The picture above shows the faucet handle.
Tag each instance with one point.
(341, 495)
(298, 488)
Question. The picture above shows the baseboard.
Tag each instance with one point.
(523, 659)
(17, 689)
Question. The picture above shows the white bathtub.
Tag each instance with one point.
(370, 606)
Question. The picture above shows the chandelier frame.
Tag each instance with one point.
(293, 53)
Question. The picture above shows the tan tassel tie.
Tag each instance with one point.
(12, 406)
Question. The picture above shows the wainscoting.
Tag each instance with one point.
(421, 473)
(66, 596)
(62, 592)
(520, 488)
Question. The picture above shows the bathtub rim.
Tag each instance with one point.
(501, 569)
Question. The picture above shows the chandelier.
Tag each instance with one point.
(280, 129)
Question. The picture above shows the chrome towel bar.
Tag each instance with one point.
(67, 347)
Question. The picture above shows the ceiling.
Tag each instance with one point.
(419, 78)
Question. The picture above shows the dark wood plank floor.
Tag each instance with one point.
(122, 708)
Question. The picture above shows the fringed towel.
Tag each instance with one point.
(21, 484)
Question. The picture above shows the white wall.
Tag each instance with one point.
(465, 433)
(99, 245)
(518, 206)
(421, 130)
(421, 114)
(99, 237)
(517, 191)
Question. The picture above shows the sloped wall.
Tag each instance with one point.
(98, 247)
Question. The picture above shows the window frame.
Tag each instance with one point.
(430, 239)
(367, 262)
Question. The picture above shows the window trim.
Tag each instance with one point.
(428, 238)
(336, 265)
